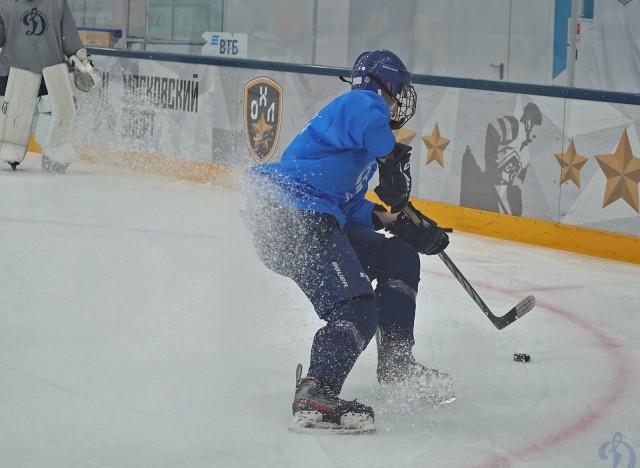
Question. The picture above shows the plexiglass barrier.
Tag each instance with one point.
(546, 42)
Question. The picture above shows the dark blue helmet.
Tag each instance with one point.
(382, 71)
(382, 64)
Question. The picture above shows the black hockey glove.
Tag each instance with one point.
(395, 178)
(421, 232)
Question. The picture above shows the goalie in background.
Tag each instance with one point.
(40, 46)
(310, 222)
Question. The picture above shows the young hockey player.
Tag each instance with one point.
(40, 43)
(311, 222)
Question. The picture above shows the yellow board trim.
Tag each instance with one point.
(194, 171)
(33, 147)
(575, 239)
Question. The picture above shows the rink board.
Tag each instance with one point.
(202, 115)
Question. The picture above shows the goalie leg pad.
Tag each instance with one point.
(17, 112)
(56, 116)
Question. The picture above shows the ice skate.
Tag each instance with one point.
(399, 372)
(316, 409)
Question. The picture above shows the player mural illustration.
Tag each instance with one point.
(506, 158)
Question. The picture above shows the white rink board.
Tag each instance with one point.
(144, 107)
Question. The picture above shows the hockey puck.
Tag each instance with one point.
(521, 357)
(447, 229)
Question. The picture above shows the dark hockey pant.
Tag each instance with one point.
(334, 267)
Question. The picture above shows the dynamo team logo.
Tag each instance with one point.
(620, 453)
(262, 109)
(35, 22)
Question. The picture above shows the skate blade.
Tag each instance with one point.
(310, 422)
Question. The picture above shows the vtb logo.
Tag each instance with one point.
(262, 109)
(35, 22)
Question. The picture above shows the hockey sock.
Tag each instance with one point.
(396, 312)
(398, 276)
(337, 345)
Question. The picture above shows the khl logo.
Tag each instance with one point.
(617, 449)
(36, 22)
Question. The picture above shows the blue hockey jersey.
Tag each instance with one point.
(328, 165)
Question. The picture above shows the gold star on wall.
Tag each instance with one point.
(435, 146)
(404, 135)
(622, 171)
(570, 164)
(262, 130)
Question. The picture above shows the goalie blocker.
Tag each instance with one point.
(85, 75)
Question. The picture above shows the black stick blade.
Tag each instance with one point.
(514, 314)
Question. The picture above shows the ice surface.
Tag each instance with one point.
(138, 329)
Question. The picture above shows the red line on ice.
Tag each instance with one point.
(608, 401)
(611, 399)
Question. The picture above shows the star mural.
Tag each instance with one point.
(435, 146)
(570, 164)
(622, 171)
(404, 136)
(262, 131)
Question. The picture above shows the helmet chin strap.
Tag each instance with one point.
(402, 116)
(385, 89)
(380, 83)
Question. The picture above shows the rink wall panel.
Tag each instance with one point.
(549, 166)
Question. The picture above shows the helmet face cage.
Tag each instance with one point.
(406, 107)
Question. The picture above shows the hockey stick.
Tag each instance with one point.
(514, 314)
